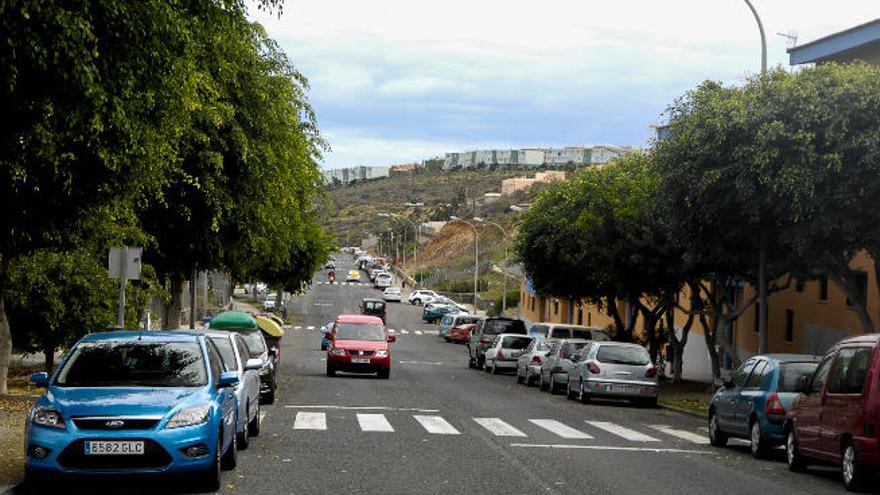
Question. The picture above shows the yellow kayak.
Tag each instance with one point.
(270, 327)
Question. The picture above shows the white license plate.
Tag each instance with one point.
(360, 360)
(114, 447)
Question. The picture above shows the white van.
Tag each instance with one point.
(383, 280)
(543, 331)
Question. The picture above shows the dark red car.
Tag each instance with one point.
(461, 333)
(837, 418)
(359, 344)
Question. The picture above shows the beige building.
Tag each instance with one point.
(516, 184)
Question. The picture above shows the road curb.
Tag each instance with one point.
(683, 411)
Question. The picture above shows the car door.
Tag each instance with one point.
(547, 363)
(575, 373)
(251, 377)
(226, 396)
(474, 338)
(808, 405)
(725, 408)
(842, 404)
(749, 394)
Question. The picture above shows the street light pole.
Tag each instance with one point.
(476, 256)
(763, 37)
(506, 256)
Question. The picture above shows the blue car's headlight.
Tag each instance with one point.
(190, 416)
(45, 416)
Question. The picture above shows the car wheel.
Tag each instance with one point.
(447, 339)
(244, 438)
(416, 302)
(544, 385)
(486, 366)
(209, 481)
(495, 367)
(384, 373)
(717, 438)
(584, 397)
(853, 472)
(230, 457)
(757, 444)
(792, 456)
(255, 424)
(554, 387)
(268, 397)
(471, 363)
(519, 377)
(568, 392)
(331, 371)
(530, 380)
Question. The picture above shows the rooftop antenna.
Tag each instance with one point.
(791, 38)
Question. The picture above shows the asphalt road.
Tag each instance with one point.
(438, 427)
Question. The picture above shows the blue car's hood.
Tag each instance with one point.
(118, 401)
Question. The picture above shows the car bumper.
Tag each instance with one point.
(508, 365)
(376, 364)
(533, 370)
(622, 390)
(163, 451)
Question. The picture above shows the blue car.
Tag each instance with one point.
(325, 331)
(135, 403)
(753, 403)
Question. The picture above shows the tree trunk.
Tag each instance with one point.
(709, 334)
(49, 358)
(172, 310)
(619, 325)
(852, 293)
(650, 331)
(763, 298)
(5, 334)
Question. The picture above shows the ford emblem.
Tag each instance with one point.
(115, 423)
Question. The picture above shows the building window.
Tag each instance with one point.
(589, 319)
(580, 316)
(789, 325)
(860, 280)
(556, 307)
(757, 317)
(823, 288)
(533, 303)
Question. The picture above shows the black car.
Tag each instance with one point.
(373, 307)
(484, 332)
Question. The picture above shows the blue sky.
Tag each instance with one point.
(396, 81)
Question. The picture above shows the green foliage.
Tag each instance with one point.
(462, 286)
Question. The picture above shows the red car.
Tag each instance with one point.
(461, 333)
(837, 418)
(359, 344)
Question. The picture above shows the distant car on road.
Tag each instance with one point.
(383, 280)
(837, 417)
(613, 370)
(484, 333)
(374, 307)
(417, 297)
(461, 333)
(435, 312)
(391, 294)
(452, 320)
(557, 362)
(503, 352)
(528, 364)
(353, 276)
(753, 403)
(358, 344)
(133, 403)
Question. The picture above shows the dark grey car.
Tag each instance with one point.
(485, 332)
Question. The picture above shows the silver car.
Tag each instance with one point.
(555, 366)
(236, 357)
(504, 351)
(614, 370)
(528, 364)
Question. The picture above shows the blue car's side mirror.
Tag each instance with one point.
(40, 379)
(228, 379)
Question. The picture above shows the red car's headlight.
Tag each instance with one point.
(337, 352)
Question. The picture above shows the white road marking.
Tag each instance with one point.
(432, 332)
(419, 332)
(499, 428)
(622, 431)
(310, 328)
(684, 435)
(361, 408)
(609, 447)
(404, 332)
(560, 429)
(297, 328)
(374, 422)
(436, 425)
(262, 416)
(310, 421)
(391, 330)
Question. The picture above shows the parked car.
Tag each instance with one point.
(374, 272)
(133, 403)
(374, 307)
(836, 419)
(353, 276)
(556, 364)
(435, 312)
(358, 344)
(565, 331)
(391, 294)
(383, 280)
(485, 331)
(269, 302)
(528, 363)
(236, 357)
(613, 370)
(451, 320)
(246, 325)
(416, 297)
(753, 403)
(325, 338)
(504, 351)
(461, 334)
(331, 265)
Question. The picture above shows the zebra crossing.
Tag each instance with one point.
(435, 424)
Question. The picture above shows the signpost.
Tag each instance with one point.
(125, 264)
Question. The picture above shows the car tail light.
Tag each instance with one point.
(594, 368)
(536, 360)
(774, 405)
(485, 341)
(651, 373)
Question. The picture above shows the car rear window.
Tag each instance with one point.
(254, 341)
(515, 342)
(130, 364)
(619, 354)
(494, 327)
(790, 373)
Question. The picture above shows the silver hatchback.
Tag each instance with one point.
(613, 370)
(528, 364)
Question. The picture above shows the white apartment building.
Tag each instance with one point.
(353, 174)
(578, 156)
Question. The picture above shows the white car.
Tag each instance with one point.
(269, 302)
(391, 294)
(418, 297)
(383, 280)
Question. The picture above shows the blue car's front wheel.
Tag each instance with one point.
(209, 481)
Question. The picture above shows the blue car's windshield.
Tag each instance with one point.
(134, 364)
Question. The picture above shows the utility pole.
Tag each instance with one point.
(193, 281)
(120, 320)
